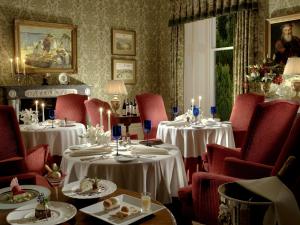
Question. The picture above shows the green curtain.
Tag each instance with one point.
(245, 48)
(177, 67)
(185, 11)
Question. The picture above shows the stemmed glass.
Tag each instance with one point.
(196, 112)
(175, 111)
(147, 129)
(116, 133)
(213, 111)
(52, 116)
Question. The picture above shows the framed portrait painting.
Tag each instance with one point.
(46, 47)
(124, 69)
(283, 37)
(123, 42)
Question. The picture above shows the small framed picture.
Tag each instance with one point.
(124, 69)
(123, 42)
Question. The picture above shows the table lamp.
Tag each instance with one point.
(292, 69)
(115, 88)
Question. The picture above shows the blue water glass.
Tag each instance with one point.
(52, 116)
(116, 132)
(175, 111)
(196, 111)
(213, 111)
(147, 126)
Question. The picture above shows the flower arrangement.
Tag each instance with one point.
(269, 71)
(28, 116)
(97, 135)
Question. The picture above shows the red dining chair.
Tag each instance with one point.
(200, 201)
(92, 108)
(15, 160)
(151, 107)
(266, 135)
(71, 106)
(241, 114)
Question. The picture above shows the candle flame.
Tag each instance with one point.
(43, 104)
(108, 112)
(11, 60)
(100, 109)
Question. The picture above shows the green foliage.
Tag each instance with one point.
(224, 31)
(224, 91)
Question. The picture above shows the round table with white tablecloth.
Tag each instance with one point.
(192, 140)
(58, 138)
(161, 175)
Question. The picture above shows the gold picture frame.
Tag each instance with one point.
(46, 47)
(279, 31)
(123, 42)
(124, 69)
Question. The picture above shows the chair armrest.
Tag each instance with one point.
(36, 158)
(239, 137)
(186, 204)
(216, 155)
(245, 169)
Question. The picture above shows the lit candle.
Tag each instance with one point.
(101, 116)
(108, 119)
(43, 112)
(192, 102)
(24, 72)
(200, 98)
(36, 107)
(17, 62)
(11, 66)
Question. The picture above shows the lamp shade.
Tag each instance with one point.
(292, 66)
(115, 87)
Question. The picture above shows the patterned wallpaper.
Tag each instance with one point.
(95, 19)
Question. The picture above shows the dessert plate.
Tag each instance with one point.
(60, 213)
(5, 194)
(97, 210)
(72, 190)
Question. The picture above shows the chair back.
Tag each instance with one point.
(92, 108)
(243, 110)
(268, 130)
(151, 107)
(11, 145)
(71, 106)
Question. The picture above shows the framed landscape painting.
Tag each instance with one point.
(123, 42)
(283, 37)
(124, 69)
(46, 47)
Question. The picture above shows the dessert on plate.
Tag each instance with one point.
(111, 203)
(18, 194)
(89, 184)
(42, 210)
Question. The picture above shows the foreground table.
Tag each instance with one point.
(58, 138)
(163, 217)
(161, 175)
(192, 141)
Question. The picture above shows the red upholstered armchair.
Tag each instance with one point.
(151, 107)
(200, 201)
(71, 106)
(241, 114)
(266, 135)
(92, 108)
(14, 159)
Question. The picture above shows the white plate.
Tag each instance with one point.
(226, 122)
(120, 148)
(122, 158)
(60, 213)
(198, 126)
(80, 147)
(37, 188)
(71, 190)
(97, 210)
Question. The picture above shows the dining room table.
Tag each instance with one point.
(163, 216)
(158, 169)
(192, 138)
(58, 137)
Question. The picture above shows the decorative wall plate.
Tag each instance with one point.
(63, 78)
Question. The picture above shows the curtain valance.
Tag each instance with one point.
(184, 11)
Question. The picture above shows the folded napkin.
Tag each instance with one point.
(285, 209)
(91, 151)
(177, 123)
(142, 150)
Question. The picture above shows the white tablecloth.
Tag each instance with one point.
(192, 141)
(58, 138)
(161, 175)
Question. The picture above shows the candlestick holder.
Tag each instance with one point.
(22, 79)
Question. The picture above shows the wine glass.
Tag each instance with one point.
(116, 133)
(213, 111)
(175, 111)
(147, 129)
(196, 112)
(52, 116)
